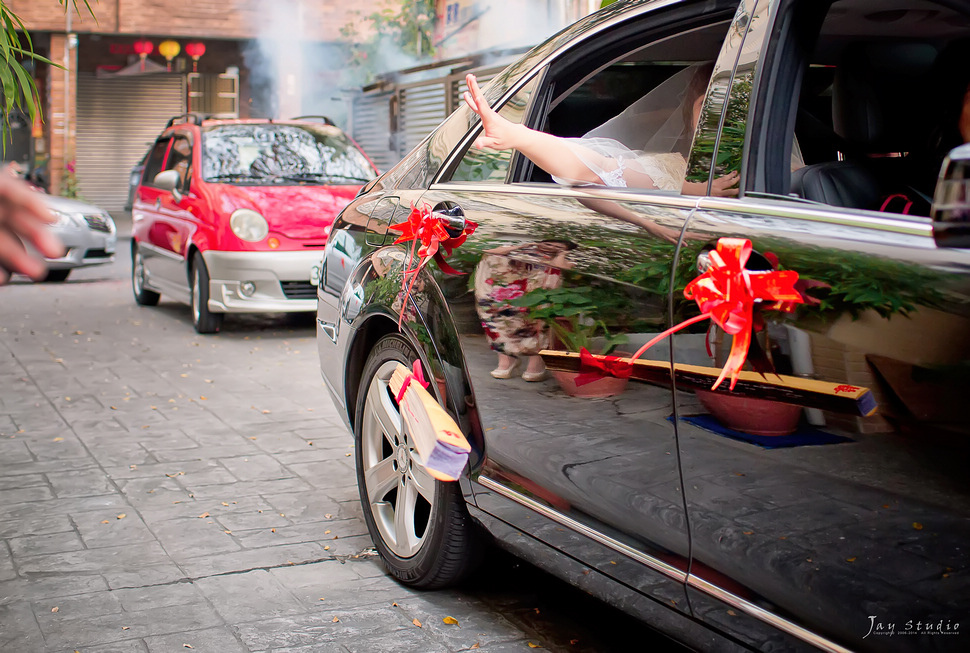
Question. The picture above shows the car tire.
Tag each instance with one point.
(143, 297)
(427, 539)
(203, 320)
(56, 276)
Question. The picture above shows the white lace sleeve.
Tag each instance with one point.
(614, 178)
(624, 167)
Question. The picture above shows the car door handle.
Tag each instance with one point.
(452, 217)
(756, 261)
(704, 261)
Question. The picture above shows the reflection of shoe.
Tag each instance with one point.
(505, 373)
(532, 377)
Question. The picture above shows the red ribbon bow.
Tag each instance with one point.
(727, 293)
(593, 368)
(423, 227)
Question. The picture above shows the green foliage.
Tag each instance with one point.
(69, 186)
(407, 29)
(730, 138)
(574, 316)
(860, 282)
(19, 91)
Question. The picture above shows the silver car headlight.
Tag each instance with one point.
(248, 225)
(64, 219)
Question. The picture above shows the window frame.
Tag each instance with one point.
(187, 137)
(165, 140)
(622, 39)
(790, 39)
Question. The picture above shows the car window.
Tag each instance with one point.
(155, 160)
(490, 165)
(180, 160)
(282, 153)
(624, 108)
(878, 104)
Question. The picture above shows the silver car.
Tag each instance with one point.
(88, 233)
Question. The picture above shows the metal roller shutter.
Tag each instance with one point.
(117, 119)
(422, 109)
(371, 128)
(459, 86)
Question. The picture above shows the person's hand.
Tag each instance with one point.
(497, 132)
(722, 186)
(24, 218)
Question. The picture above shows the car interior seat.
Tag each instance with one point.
(880, 115)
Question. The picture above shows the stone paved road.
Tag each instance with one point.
(161, 490)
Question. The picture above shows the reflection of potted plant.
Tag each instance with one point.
(576, 320)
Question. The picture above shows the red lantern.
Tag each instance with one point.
(195, 49)
(143, 47)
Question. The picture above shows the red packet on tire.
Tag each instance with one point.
(439, 442)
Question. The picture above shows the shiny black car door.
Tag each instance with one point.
(827, 494)
(551, 267)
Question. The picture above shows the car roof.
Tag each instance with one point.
(205, 120)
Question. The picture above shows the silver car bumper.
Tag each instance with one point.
(83, 247)
(284, 282)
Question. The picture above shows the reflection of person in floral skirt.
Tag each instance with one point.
(507, 273)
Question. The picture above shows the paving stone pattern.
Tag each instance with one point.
(162, 490)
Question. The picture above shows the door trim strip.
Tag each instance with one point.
(663, 198)
(159, 251)
(619, 547)
(766, 616)
(747, 607)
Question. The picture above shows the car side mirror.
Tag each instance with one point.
(951, 202)
(169, 180)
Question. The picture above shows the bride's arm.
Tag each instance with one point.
(549, 152)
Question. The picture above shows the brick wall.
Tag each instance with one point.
(58, 108)
(314, 20)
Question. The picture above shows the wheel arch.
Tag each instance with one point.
(438, 345)
(189, 257)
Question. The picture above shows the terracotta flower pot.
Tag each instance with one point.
(605, 386)
(750, 415)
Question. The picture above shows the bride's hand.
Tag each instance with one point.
(721, 187)
(497, 132)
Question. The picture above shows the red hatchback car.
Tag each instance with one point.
(231, 216)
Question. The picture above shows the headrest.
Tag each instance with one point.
(879, 96)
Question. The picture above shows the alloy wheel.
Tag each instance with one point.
(138, 273)
(400, 492)
(196, 292)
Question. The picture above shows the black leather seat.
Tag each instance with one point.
(878, 108)
(838, 183)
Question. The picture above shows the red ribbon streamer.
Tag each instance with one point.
(593, 368)
(727, 293)
(423, 227)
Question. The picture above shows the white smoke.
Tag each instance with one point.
(290, 72)
(477, 26)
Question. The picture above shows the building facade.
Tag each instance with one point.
(136, 64)
(472, 26)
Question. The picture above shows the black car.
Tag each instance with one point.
(822, 499)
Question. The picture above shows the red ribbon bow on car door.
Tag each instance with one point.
(422, 226)
(727, 294)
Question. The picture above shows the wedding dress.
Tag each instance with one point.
(645, 146)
